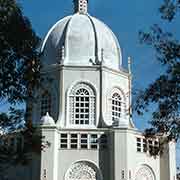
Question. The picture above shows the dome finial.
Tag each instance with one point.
(80, 6)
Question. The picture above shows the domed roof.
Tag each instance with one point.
(81, 40)
(47, 120)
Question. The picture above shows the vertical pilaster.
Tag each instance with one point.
(168, 162)
(119, 154)
(49, 155)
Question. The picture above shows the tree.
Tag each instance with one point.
(164, 92)
(19, 73)
(19, 62)
(178, 173)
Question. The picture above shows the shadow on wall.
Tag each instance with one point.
(105, 156)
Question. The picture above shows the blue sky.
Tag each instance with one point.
(125, 18)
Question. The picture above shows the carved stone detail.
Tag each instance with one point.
(144, 173)
(81, 171)
(92, 102)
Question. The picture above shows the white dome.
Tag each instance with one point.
(81, 40)
(47, 120)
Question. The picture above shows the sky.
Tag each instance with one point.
(125, 18)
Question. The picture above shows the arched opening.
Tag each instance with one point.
(83, 170)
(116, 108)
(116, 102)
(144, 173)
(82, 102)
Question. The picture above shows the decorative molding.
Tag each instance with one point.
(83, 170)
(144, 173)
(109, 99)
(71, 100)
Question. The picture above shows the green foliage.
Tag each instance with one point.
(169, 9)
(18, 144)
(19, 58)
(164, 92)
(19, 75)
(13, 121)
(178, 173)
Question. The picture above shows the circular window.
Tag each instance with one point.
(145, 173)
(82, 171)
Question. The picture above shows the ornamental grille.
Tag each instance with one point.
(116, 108)
(144, 173)
(82, 171)
(82, 105)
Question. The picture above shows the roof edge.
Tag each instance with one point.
(50, 31)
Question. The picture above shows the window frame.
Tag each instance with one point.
(82, 107)
(64, 137)
(124, 104)
(83, 141)
(90, 120)
(73, 141)
(116, 108)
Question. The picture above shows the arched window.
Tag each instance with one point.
(82, 105)
(83, 170)
(116, 107)
(145, 172)
(45, 103)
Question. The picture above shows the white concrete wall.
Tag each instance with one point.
(127, 159)
(137, 159)
(119, 154)
(60, 79)
(49, 157)
(115, 80)
(70, 77)
(168, 162)
(122, 153)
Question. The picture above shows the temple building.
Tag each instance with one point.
(84, 108)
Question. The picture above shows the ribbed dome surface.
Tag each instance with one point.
(81, 40)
